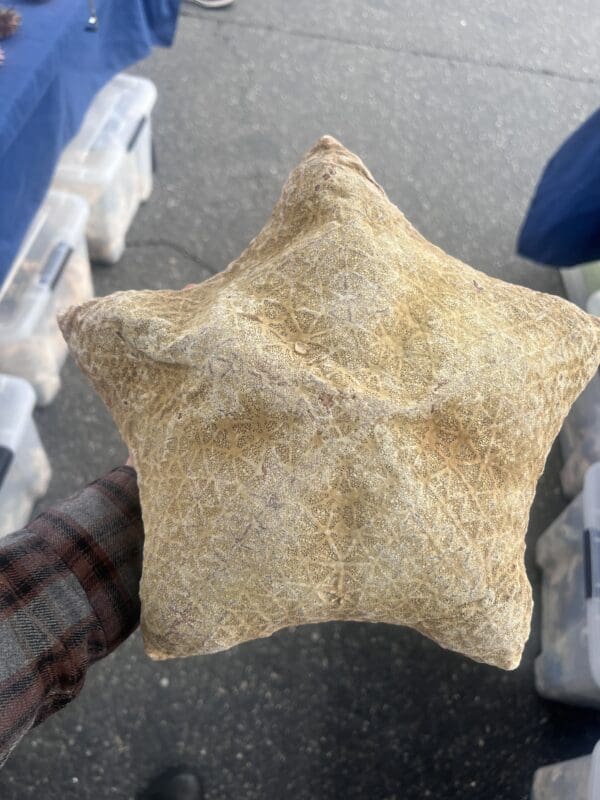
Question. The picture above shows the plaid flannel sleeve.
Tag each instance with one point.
(68, 596)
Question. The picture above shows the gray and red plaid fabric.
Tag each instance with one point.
(68, 596)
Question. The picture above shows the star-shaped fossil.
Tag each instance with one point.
(346, 423)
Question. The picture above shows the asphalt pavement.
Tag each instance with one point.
(455, 108)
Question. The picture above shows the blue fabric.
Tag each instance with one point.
(52, 71)
(562, 226)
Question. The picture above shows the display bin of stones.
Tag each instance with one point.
(568, 553)
(50, 273)
(576, 779)
(109, 162)
(24, 467)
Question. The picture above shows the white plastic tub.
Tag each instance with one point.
(577, 779)
(581, 282)
(109, 162)
(24, 468)
(593, 303)
(580, 438)
(580, 434)
(568, 552)
(50, 273)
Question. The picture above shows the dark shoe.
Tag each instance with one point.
(176, 783)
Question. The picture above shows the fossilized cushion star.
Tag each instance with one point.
(346, 423)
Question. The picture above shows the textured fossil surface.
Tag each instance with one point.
(347, 423)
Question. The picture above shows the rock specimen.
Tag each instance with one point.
(346, 423)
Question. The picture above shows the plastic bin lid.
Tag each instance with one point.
(109, 125)
(49, 240)
(17, 399)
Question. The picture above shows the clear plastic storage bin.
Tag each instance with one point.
(577, 779)
(580, 434)
(581, 282)
(593, 303)
(24, 468)
(51, 272)
(580, 438)
(109, 162)
(568, 553)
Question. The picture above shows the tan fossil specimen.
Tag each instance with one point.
(347, 423)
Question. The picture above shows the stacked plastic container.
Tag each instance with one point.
(102, 177)
(580, 438)
(581, 282)
(568, 553)
(24, 468)
(51, 272)
(109, 162)
(580, 435)
(577, 779)
(593, 303)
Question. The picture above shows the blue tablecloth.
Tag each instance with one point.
(562, 226)
(53, 69)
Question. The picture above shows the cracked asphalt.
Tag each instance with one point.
(455, 107)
